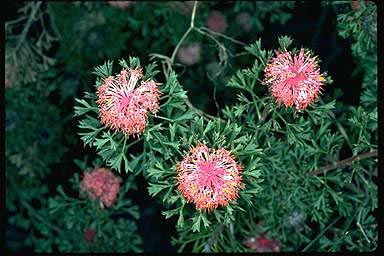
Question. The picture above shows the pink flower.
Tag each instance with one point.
(209, 178)
(89, 235)
(101, 184)
(216, 22)
(189, 54)
(120, 4)
(294, 80)
(262, 244)
(124, 107)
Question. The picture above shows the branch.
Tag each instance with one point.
(28, 25)
(202, 29)
(343, 163)
(191, 26)
(170, 61)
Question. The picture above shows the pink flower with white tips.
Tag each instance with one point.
(294, 80)
(209, 178)
(123, 106)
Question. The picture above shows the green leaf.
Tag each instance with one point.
(168, 214)
(206, 222)
(115, 162)
(196, 223)
(155, 188)
(186, 116)
(104, 70)
(285, 42)
(180, 221)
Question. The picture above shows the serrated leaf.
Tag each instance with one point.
(196, 224)
(104, 70)
(285, 42)
(155, 188)
(168, 214)
(186, 116)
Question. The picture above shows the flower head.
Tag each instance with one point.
(262, 244)
(124, 107)
(294, 80)
(89, 235)
(189, 54)
(209, 178)
(101, 184)
(216, 22)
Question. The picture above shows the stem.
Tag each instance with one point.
(343, 163)
(220, 34)
(166, 119)
(28, 25)
(191, 26)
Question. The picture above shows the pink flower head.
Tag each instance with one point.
(123, 106)
(209, 178)
(101, 184)
(189, 54)
(216, 22)
(262, 244)
(89, 235)
(294, 80)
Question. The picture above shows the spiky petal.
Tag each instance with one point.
(209, 178)
(294, 80)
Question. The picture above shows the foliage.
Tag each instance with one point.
(276, 11)
(310, 176)
(62, 221)
(22, 47)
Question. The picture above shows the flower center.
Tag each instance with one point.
(125, 101)
(211, 174)
(296, 76)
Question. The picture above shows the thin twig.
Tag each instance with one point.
(222, 35)
(343, 163)
(170, 61)
(28, 25)
(191, 26)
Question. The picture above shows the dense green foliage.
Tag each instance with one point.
(309, 176)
